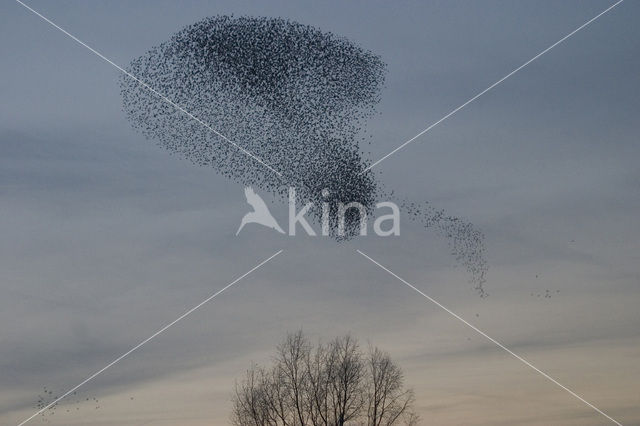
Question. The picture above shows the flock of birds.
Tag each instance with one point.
(68, 405)
(293, 96)
(47, 397)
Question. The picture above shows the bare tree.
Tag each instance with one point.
(387, 400)
(291, 362)
(333, 384)
(250, 402)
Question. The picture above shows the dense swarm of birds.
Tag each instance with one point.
(295, 97)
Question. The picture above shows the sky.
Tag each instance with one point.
(106, 237)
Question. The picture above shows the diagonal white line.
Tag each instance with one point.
(189, 312)
(151, 89)
(491, 339)
(492, 86)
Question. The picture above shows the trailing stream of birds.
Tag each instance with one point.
(295, 97)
